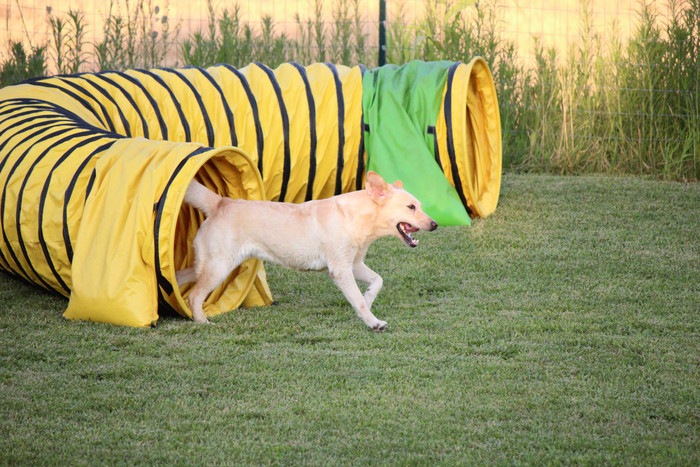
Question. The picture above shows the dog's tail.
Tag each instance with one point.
(202, 198)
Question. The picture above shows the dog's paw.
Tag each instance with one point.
(202, 320)
(380, 326)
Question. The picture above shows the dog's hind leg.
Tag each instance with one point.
(372, 279)
(345, 280)
(185, 276)
(211, 276)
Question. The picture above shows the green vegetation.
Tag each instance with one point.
(613, 106)
(21, 65)
(562, 330)
(139, 38)
(68, 42)
(619, 108)
(599, 107)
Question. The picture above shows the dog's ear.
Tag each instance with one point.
(374, 177)
(398, 184)
(377, 187)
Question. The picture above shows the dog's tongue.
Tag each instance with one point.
(407, 229)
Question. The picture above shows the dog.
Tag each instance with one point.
(331, 234)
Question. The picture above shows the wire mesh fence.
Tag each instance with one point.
(556, 23)
(584, 85)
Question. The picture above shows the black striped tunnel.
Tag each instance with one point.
(93, 169)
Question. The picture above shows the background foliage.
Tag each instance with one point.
(613, 106)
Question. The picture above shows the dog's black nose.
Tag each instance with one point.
(433, 225)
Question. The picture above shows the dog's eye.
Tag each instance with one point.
(412, 207)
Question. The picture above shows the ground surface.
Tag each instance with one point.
(563, 329)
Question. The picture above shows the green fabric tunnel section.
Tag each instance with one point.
(93, 167)
(401, 105)
(436, 126)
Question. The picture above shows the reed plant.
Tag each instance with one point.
(303, 46)
(142, 36)
(602, 104)
(270, 47)
(68, 41)
(359, 36)
(58, 33)
(111, 52)
(22, 64)
(341, 33)
(310, 45)
(319, 31)
(228, 39)
(622, 108)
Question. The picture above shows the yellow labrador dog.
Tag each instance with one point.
(330, 234)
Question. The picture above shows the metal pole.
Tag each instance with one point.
(382, 32)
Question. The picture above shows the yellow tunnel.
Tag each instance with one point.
(93, 169)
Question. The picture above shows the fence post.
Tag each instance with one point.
(382, 32)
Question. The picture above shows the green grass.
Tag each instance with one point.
(603, 103)
(564, 329)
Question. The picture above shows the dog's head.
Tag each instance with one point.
(399, 212)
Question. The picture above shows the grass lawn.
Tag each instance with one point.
(564, 329)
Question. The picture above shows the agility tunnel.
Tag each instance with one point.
(93, 167)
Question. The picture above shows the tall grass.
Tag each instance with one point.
(67, 45)
(225, 41)
(311, 45)
(619, 108)
(596, 106)
(139, 37)
(341, 33)
(22, 65)
(230, 40)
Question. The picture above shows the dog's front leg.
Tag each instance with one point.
(372, 279)
(345, 280)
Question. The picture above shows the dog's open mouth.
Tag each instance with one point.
(406, 229)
